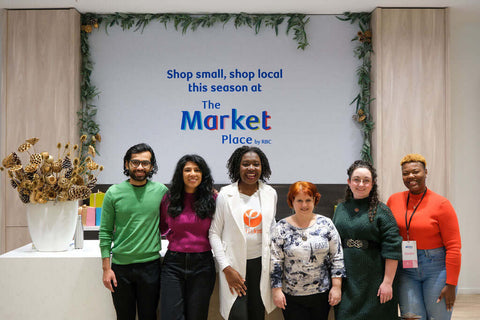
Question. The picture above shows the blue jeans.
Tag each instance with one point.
(187, 283)
(419, 288)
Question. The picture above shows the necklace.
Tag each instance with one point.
(301, 227)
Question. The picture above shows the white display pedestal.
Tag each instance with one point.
(55, 285)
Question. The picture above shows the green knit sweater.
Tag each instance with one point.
(130, 220)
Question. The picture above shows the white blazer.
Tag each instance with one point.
(228, 240)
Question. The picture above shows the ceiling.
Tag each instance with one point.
(250, 6)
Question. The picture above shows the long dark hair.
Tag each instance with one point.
(204, 204)
(139, 148)
(373, 195)
(233, 164)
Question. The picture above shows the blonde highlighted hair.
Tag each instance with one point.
(414, 157)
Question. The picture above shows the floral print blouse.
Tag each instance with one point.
(303, 260)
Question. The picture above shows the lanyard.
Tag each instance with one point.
(407, 224)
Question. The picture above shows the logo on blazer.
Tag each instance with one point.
(252, 218)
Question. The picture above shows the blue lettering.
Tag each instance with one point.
(236, 121)
(186, 120)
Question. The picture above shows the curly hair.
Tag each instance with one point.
(414, 157)
(373, 195)
(305, 187)
(204, 204)
(139, 148)
(233, 164)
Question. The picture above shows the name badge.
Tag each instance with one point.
(409, 254)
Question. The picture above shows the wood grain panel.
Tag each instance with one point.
(410, 108)
(42, 90)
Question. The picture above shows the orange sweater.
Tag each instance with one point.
(433, 225)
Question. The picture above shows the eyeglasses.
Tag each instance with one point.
(144, 163)
(357, 181)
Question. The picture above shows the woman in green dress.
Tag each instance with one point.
(371, 248)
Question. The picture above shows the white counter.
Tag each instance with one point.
(55, 285)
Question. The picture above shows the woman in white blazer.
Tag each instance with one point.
(240, 236)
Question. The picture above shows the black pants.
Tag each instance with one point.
(250, 306)
(313, 307)
(138, 287)
(187, 283)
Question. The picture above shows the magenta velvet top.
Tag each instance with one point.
(187, 232)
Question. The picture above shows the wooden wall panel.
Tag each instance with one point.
(42, 89)
(410, 109)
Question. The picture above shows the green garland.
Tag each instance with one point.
(363, 51)
(181, 22)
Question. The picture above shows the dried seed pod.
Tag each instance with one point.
(46, 168)
(51, 180)
(79, 192)
(49, 159)
(57, 166)
(24, 147)
(45, 155)
(63, 196)
(91, 151)
(32, 141)
(31, 168)
(92, 166)
(18, 171)
(36, 158)
(63, 183)
(11, 160)
(52, 195)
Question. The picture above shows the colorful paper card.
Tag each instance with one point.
(98, 216)
(90, 216)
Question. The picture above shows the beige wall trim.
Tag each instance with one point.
(40, 94)
(410, 88)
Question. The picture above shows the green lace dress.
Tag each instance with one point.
(365, 267)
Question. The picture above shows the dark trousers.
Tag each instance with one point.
(187, 283)
(313, 307)
(250, 306)
(138, 287)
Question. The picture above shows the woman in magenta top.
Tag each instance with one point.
(188, 271)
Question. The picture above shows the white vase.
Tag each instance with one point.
(52, 224)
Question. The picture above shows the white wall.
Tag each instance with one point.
(465, 105)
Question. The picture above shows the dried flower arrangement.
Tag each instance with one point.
(44, 178)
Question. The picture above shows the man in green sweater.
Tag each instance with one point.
(129, 232)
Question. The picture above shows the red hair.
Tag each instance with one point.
(305, 187)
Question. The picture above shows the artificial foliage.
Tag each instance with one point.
(296, 23)
(362, 101)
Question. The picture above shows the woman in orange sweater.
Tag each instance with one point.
(431, 247)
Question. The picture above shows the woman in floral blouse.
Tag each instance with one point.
(307, 258)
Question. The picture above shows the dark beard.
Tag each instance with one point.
(136, 178)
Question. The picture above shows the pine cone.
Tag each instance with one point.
(25, 198)
(69, 173)
(91, 184)
(67, 163)
(13, 183)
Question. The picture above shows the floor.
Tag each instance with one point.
(467, 307)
